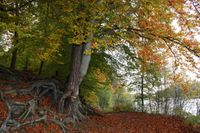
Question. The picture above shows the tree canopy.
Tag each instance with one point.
(101, 48)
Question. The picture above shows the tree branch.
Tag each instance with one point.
(164, 38)
(195, 5)
(10, 9)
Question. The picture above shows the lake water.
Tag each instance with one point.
(190, 106)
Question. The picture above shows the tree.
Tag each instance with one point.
(119, 21)
(85, 36)
(13, 12)
(90, 25)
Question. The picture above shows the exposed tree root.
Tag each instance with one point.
(91, 110)
(4, 124)
(61, 124)
(19, 114)
(7, 74)
(77, 111)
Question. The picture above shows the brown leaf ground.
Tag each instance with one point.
(134, 122)
(121, 122)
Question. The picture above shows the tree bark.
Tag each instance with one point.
(79, 66)
(41, 67)
(72, 90)
(85, 60)
(16, 40)
(14, 59)
(142, 91)
(26, 64)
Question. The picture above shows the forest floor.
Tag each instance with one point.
(135, 122)
(121, 122)
(45, 119)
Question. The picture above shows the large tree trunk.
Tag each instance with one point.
(70, 97)
(79, 66)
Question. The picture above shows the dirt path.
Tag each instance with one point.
(132, 122)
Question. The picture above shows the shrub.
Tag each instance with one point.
(194, 120)
(104, 96)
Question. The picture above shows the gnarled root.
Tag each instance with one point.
(21, 113)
